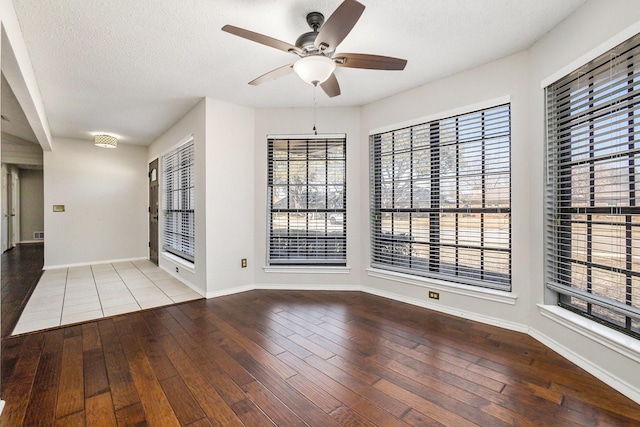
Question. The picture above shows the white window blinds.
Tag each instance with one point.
(307, 201)
(441, 199)
(178, 201)
(593, 220)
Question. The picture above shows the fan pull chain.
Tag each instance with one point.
(315, 107)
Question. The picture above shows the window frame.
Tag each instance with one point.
(410, 263)
(295, 247)
(564, 104)
(175, 242)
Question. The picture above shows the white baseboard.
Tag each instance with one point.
(30, 241)
(305, 287)
(230, 291)
(494, 321)
(309, 287)
(84, 264)
(606, 377)
(182, 280)
(617, 383)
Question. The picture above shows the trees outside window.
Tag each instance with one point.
(307, 201)
(441, 199)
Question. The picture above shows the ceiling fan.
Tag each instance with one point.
(316, 49)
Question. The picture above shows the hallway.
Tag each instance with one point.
(21, 270)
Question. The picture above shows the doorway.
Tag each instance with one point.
(153, 211)
(10, 206)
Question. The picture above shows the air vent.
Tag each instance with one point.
(38, 235)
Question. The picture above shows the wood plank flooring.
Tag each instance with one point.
(21, 270)
(293, 358)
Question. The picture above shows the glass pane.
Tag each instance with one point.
(280, 150)
(470, 230)
(335, 197)
(430, 172)
(386, 195)
(635, 292)
(280, 172)
(316, 197)
(580, 186)
(420, 227)
(448, 228)
(420, 258)
(336, 151)
(279, 197)
(578, 238)
(608, 284)
(609, 316)
(612, 183)
(421, 164)
(402, 140)
(496, 266)
(336, 172)
(497, 230)
(608, 241)
(579, 276)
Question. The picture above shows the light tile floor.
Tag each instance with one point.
(70, 295)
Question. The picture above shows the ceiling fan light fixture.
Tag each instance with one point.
(314, 69)
(105, 141)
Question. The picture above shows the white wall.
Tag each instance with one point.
(492, 84)
(193, 123)
(17, 151)
(105, 219)
(105, 196)
(610, 356)
(613, 357)
(300, 121)
(31, 203)
(224, 155)
(229, 196)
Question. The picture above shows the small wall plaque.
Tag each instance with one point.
(58, 208)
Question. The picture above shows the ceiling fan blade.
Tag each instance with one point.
(331, 86)
(272, 75)
(261, 38)
(370, 62)
(339, 24)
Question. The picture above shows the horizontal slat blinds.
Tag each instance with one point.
(307, 201)
(593, 219)
(178, 200)
(441, 199)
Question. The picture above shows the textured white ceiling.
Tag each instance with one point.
(133, 68)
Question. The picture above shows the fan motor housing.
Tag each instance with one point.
(306, 40)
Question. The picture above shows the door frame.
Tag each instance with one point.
(154, 208)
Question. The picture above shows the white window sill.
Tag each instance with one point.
(610, 338)
(306, 269)
(190, 266)
(446, 286)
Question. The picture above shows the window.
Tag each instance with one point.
(440, 199)
(178, 201)
(307, 201)
(593, 220)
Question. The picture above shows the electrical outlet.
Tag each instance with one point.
(243, 263)
(434, 295)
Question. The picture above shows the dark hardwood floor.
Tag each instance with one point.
(294, 358)
(21, 270)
